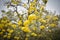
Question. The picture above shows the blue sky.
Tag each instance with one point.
(53, 5)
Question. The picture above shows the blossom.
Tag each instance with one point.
(42, 20)
(31, 9)
(42, 27)
(16, 37)
(42, 8)
(4, 36)
(26, 23)
(19, 22)
(55, 18)
(32, 17)
(9, 24)
(48, 16)
(53, 25)
(36, 12)
(26, 38)
(1, 26)
(33, 34)
(34, 28)
(1, 32)
(26, 29)
(9, 30)
(8, 36)
(13, 26)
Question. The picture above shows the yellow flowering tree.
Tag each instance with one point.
(36, 24)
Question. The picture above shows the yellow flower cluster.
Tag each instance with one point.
(42, 27)
(4, 36)
(14, 26)
(55, 18)
(26, 29)
(42, 20)
(33, 34)
(28, 26)
(26, 23)
(34, 28)
(32, 17)
(26, 38)
(53, 25)
(10, 31)
(31, 9)
(1, 26)
(1, 33)
(41, 8)
(32, 6)
(48, 16)
(19, 22)
(16, 37)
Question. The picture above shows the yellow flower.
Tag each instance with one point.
(9, 24)
(26, 29)
(1, 32)
(40, 35)
(33, 34)
(36, 12)
(2, 21)
(34, 28)
(19, 22)
(48, 16)
(42, 20)
(26, 23)
(27, 35)
(32, 17)
(41, 8)
(9, 30)
(42, 27)
(53, 25)
(32, 4)
(18, 32)
(8, 36)
(14, 26)
(31, 9)
(4, 36)
(16, 37)
(26, 38)
(24, 5)
(1, 26)
(55, 18)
